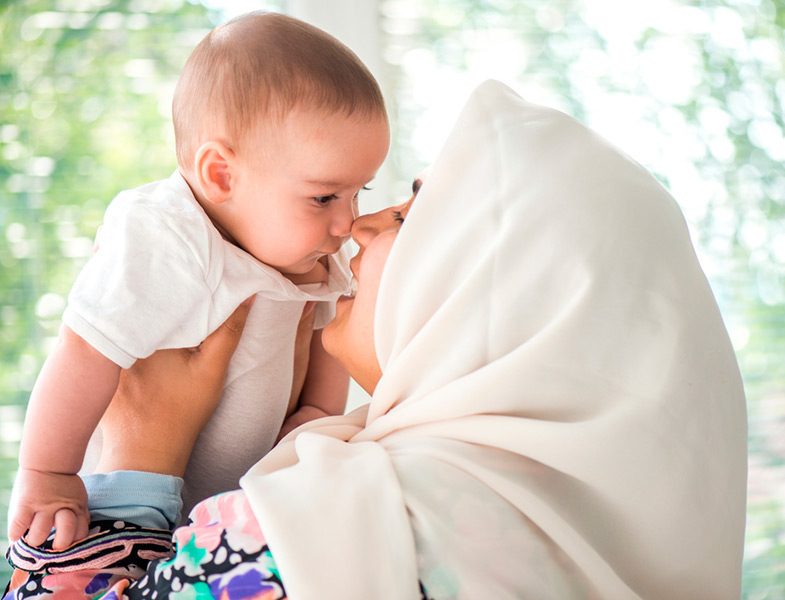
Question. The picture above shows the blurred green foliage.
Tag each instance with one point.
(84, 113)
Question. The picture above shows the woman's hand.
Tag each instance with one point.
(164, 401)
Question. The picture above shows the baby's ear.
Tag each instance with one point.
(213, 166)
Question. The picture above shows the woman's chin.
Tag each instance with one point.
(343, 307)
(331, 335)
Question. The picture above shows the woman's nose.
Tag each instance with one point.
(364, 230)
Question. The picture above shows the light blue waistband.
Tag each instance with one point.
(146, 499)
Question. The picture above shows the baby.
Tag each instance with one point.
(278, 127)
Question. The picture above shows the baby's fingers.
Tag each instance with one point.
(39, 529)
(67, 528)
(82, 525)
(20, 522)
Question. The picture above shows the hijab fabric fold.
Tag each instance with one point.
(560, 413)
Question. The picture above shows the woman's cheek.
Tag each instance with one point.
(349, 337)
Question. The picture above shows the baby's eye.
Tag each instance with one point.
(398, 216)
(324, 200)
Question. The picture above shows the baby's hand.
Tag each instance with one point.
(44, 500)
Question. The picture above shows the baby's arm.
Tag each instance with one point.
(325, 390)
(71, 393)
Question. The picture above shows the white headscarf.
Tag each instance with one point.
(561, 413)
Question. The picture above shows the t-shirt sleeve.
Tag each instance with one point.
(144, 288)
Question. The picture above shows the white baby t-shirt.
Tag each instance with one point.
(162, 277)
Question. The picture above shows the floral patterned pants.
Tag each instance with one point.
(220, 554)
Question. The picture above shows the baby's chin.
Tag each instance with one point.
(307, 271)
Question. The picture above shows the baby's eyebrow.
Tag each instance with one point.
(335, 185)
(324, 182)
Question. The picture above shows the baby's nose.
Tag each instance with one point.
(342, 223)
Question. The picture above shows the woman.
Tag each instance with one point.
(556, 411)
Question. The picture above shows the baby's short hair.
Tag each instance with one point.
(262, 65)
